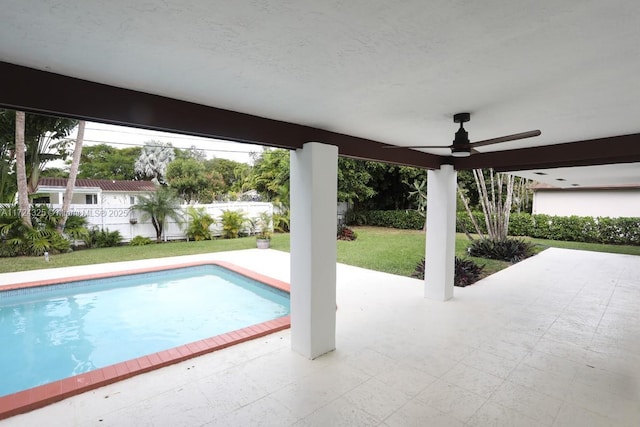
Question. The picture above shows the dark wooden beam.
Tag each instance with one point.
(43, 92)
(601, 151)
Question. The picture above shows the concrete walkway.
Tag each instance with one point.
(551, 341)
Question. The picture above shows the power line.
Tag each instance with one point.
(172, 136)
(151, 145)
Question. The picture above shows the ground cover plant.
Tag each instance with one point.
(466, 271)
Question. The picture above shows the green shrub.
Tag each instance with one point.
(233, 223)
(403, 219)
(101, 238)
(510, 249)
(466, 271)
(264, 222)
(199, 223)
(613, 231)
(463, 222)
(281, 221)
(140, 241)
(19, 239)
(520, 224)
(76, 227)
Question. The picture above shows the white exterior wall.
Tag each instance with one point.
(594, 203)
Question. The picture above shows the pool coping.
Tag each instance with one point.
(37, 397)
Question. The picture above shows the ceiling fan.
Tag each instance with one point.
(462, 147)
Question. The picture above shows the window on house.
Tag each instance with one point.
(132, 200)
(91, 199)
(42, 199)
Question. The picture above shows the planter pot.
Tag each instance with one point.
(133, 221)
(263, 243)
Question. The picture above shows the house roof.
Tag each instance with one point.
(103, 184)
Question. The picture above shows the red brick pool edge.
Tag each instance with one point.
(37, 397)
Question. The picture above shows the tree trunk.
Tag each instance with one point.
(21, 170)
(465, 202)
(73, 172)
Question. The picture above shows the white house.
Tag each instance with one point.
(611, 201)
(98, 192)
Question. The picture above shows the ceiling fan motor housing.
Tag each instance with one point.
(460, 146)
(461, 117)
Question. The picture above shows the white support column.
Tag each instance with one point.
(314, 194)
(441, 233)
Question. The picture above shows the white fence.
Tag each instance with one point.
(130, 224)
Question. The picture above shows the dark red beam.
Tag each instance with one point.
(601, 151)
(43, 92)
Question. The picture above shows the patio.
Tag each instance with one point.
(553, 340)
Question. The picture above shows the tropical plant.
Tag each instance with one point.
(265, 223)
(281, 219)
(140, 241)
(154, 159)
(199, 223)
(44, 138)
(346, 233)
(509, 249)
(75, 227)
(466, 271)
(159, 206)
(102, 238)
(233, 222)
(19, 238)
(419, 193)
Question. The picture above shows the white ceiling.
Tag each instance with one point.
(389, 70)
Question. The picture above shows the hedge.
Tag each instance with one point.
(404, 219)
(617, 231)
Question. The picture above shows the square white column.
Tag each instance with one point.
(441, 233)
(314, 195)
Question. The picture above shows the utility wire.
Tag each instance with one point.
(152, 145)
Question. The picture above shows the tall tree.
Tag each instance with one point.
(271, 175)
(192, 152)
(21, 171)
(106, 162)
(496, 198)
(154, 159)
(44, 139)
(73, 172)
(233, 173)
(353, 181)
(187, 177)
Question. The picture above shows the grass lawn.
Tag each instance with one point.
(382, 249)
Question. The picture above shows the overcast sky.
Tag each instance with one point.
(121, 137)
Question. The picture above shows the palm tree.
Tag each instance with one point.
(21, 170)
(73, 172)
(158, 206)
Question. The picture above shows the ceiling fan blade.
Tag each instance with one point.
(506, 138)
(417, 146)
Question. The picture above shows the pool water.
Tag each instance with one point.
(53, 332)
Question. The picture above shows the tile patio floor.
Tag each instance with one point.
(551, 341)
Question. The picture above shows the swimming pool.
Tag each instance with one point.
(80, 329)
